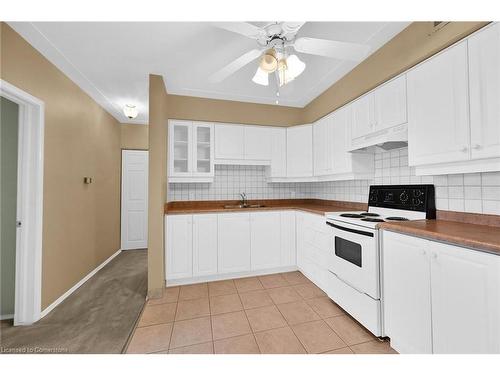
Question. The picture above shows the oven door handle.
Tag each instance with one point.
(357, 231)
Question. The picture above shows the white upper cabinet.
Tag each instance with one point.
(484, 81)
(191, 151)
(229, 141)
(320, 147)
(438, 118)
(390, 103)
(299, 153)
(340, 137)
(363, 118)
(278, 153)
(257, 143)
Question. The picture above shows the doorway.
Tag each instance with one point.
(9, 112)
(22, 198)
(134, 205)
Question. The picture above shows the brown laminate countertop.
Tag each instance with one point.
(479, 237)
(315, 206)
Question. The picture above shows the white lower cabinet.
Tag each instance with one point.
(234, 242)
(265, 240)
(204, 244)
(440, 298)
(179, 246)
(204, 247)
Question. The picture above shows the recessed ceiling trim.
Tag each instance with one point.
(43, 45)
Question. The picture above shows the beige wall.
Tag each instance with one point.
(134, 137)
(192, 108)
(413, 45)
(81, 223)
(158, 119)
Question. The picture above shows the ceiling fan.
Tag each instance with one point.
(275, 45)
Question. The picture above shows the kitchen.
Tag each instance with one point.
(253, 188)
(376, 149)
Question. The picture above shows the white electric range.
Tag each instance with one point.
(354, 263)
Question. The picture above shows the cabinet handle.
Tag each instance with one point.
(464, 149)
(424, 252)
(477, 146)
(434, 256)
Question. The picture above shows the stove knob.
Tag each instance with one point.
(403, 196)
(417, 193)
(373, 197)
(416, 201)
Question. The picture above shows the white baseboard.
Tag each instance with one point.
(6, 316)
(227, 276)
(77, 285)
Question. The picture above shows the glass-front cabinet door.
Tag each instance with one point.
(180, 150)
(191, 151)
(203, 151)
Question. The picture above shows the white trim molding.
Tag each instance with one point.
(77, 285)
(28, 285)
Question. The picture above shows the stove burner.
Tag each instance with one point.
(372, 214)
(373, 220)
(355, 216)
(396, 218)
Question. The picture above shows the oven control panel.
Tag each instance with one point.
(405, 197)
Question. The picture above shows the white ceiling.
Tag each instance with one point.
(111, 61)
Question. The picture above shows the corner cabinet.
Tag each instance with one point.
(299, 152)
(440, 298)
(190, 151)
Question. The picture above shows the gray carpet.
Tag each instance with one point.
(97, 318)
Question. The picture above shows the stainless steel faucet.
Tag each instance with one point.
(243, 201)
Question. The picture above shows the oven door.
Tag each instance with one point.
(354, 258)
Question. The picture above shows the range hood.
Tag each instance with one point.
(385, 139)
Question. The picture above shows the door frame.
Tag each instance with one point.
(122, 199)
(28, 280)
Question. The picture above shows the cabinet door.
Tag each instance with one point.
(278, 152)
(438, 118)
(265, 229)
(341, 158)
(204, 244)
(299, 159)
(406, 293)
(390, 104)
(179, 243)
(319, 147)
(257, 143)
(233, 242)
(484, 76)
(465, 300)
(362, 116)
(180, 148)
(288, 246)
(203, 149)
(229, 141)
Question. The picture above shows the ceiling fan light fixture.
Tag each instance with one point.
(261, 77)
(295, 66)
(269, 61)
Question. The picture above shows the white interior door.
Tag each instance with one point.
(134, 222)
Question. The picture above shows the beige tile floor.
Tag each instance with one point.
(280, 313)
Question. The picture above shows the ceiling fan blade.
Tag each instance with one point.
(242, 28)
(332, 48)
(234, 66)
(291, 28)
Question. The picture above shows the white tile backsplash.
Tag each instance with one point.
(474, 192)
